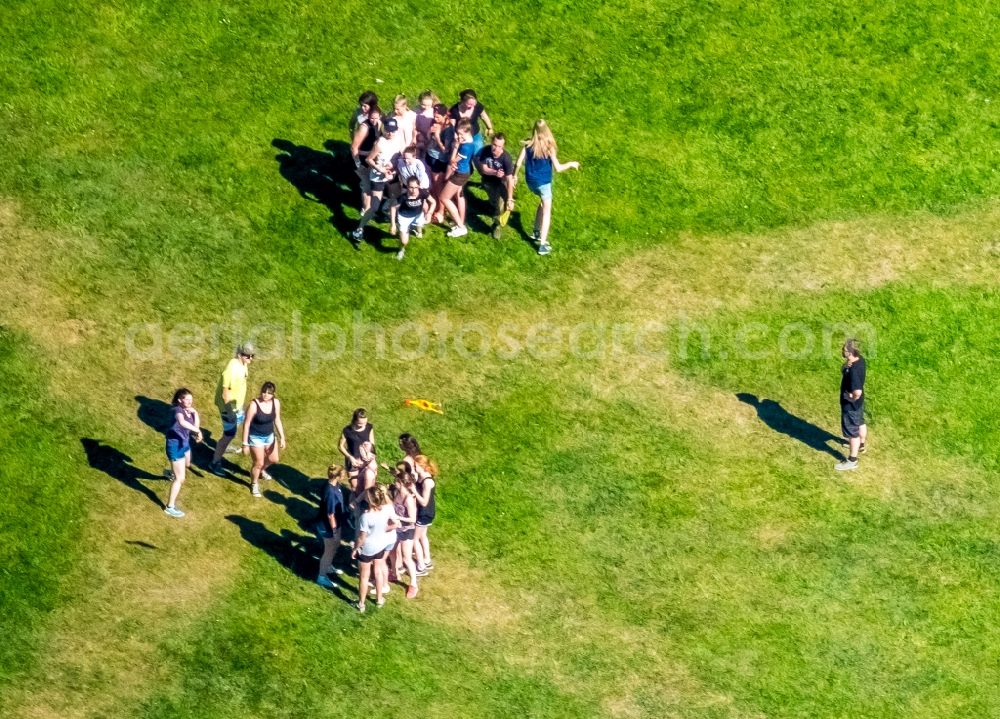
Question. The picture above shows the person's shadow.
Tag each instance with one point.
(781, 420)
(516, 223)
(159, 415)
(118, 465)
(302, 505)
(478, 211)
(292, 551)
(327, 178)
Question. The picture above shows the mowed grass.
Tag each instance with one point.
(620, 535)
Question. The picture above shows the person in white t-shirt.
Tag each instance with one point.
(407, 120)
(376, 537)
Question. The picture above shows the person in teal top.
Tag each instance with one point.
(459, 172)
(538, 156)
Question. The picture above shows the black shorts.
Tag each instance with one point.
(851, 420)
(366, 558)
(437, 165)
(405, 535)
(378, 186)
(425, 521)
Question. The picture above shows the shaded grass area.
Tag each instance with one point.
(42, 504)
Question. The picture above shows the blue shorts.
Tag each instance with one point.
(543, 191)
(229, 428)
(261, 440)
(177, 450)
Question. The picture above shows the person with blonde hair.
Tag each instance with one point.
(406, 119)
(538, 155)
(230, 398)
(329, 522)
(376, 533)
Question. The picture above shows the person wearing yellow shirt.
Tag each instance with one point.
(230, 398)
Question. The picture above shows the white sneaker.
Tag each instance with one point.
(458, 231)
(400, 254)
(846, 465)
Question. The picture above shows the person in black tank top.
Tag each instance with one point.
(357, 444)
(426, 470)
(262, 421)
(361, 144)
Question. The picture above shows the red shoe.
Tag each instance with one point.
(411, 591)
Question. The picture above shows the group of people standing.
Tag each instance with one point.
(419, 163)
(389, 521)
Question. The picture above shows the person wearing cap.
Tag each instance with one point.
(380, 173)
(230, 398)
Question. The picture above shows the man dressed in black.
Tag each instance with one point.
(852, 404)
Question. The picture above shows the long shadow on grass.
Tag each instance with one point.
(781, 420)
(292, 551)
(327, 178)
(301, 505)
(478, 213)
(118, 465)
(159, 415)
(516, 223)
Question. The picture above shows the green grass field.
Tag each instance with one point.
(625, 528)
